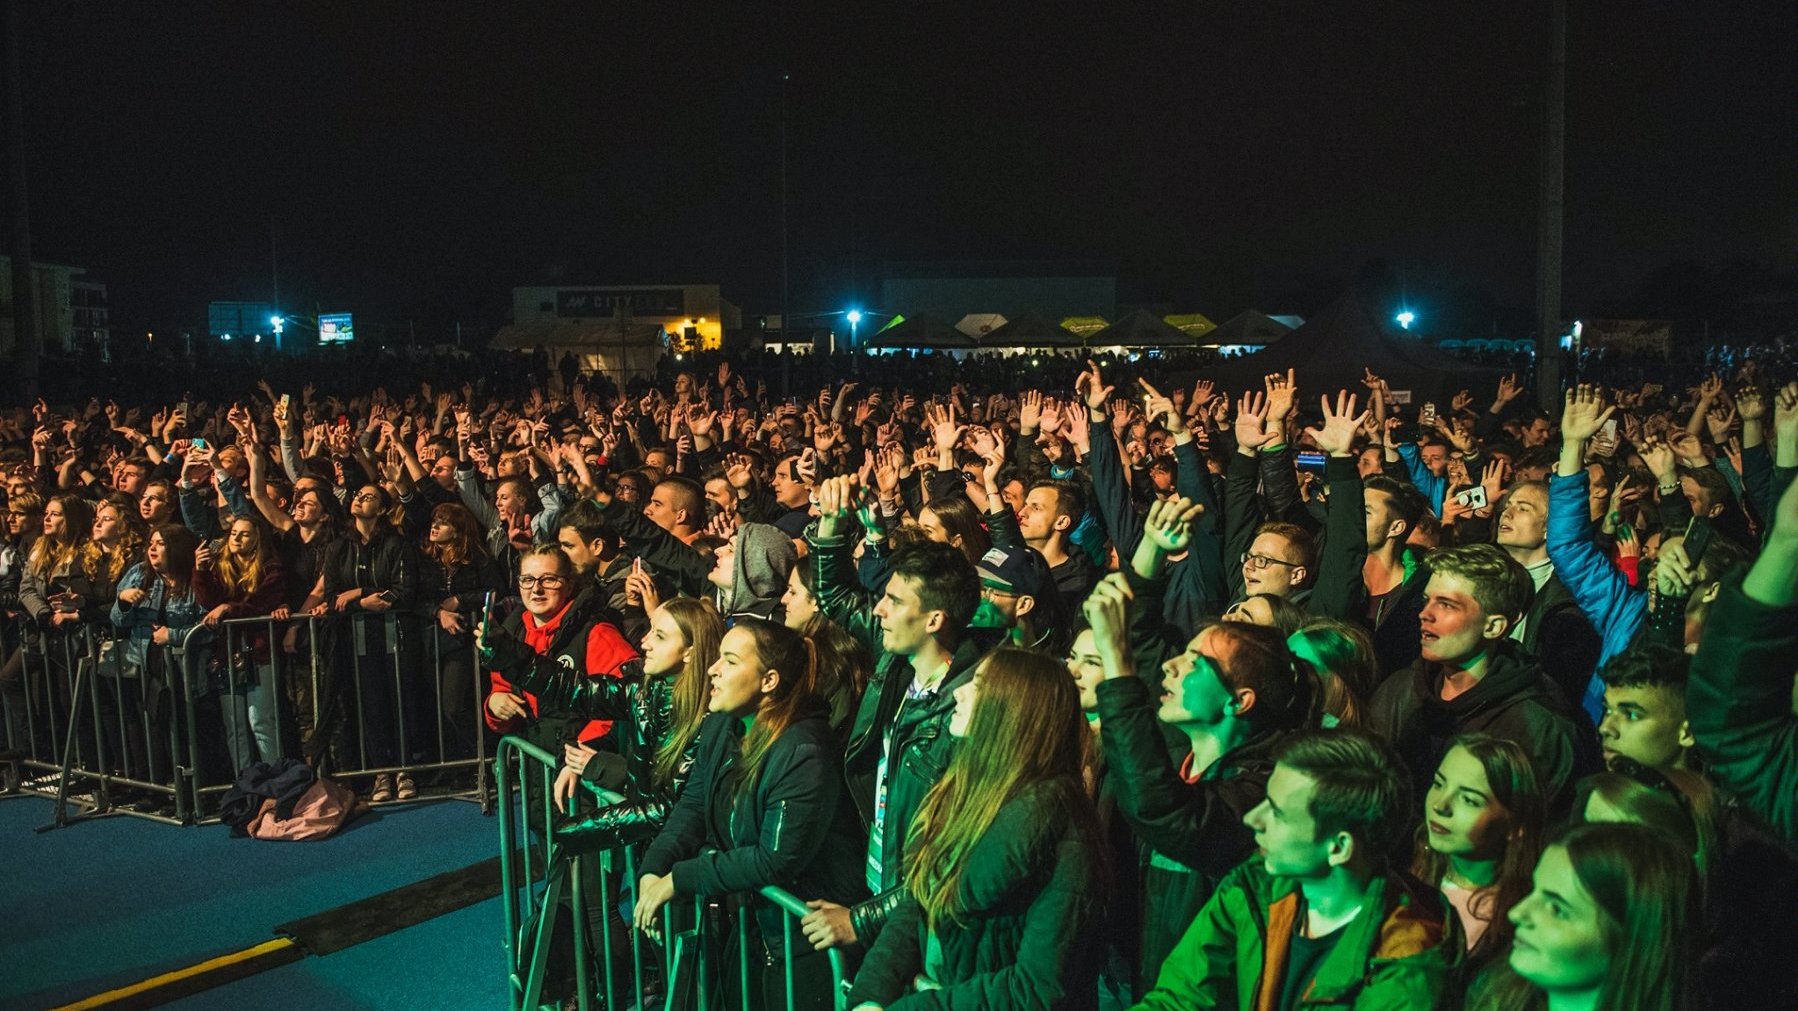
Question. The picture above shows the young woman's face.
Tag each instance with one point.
(442, 531)
(307, 509)
(664, 648)
(18, 521)
(1088, 669)
(157, 554)
(1560, 943)
(966, 697)
(543, 585)
(1462, 816)
(55, 524)
(798, 601)
(108, 524)
(739, 681)
(241, 541)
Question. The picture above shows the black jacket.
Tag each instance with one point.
(1515, 700)
(1340, 590)
(1192, 834)
(642, 711)
(790, 829)
(1557, 632)
(1738, 698)
(1028, 936)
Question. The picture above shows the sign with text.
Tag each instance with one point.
(586, 302)
(336, 328)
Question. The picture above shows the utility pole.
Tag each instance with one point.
(24, 279)
(1551, 206)
(786, 319)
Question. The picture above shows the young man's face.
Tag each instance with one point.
(1380, 515)
(1646, 723)
(1193, 688)
(1036, 521)
(585, 556)
(1535, 434)
(1453, 626)
(1285, 835)
(904, 624)
(1272, 566)
(788, 488)
(1524, 521)
(660, 509)
(1435, 458)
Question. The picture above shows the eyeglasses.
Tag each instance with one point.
(366, 496)
(1258, 562)
(994, 591)
(547, 582)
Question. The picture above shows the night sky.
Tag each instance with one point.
(415, 161)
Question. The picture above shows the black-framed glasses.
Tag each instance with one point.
(1255, 561)
(547, 582)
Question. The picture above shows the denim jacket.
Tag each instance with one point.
(137, 623)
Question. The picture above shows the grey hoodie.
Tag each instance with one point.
(765, 556)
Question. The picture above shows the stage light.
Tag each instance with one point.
(1406, 318)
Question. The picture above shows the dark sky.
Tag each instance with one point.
(417, 160)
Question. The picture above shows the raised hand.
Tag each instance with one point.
(1337, 436)
(1718, 420)
(1251, 422)
(1509, 389)
(1461, 401)
(1584, 413)
(1030, 411)
(1169, 523)
(1687, 447)
(1710, 389)
(1281, 392)
(1158, 405)
(945, 433)
(1203, 392)
(1107, 610)
(1090, 384)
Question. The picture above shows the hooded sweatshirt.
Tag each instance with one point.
(765, 556)
(1514, 700)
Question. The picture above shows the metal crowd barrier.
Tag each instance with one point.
(536, 875)
(132, 740)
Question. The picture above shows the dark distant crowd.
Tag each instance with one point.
(1043, 687)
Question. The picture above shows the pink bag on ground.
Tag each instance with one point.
(324, 808)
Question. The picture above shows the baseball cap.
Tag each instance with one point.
(1016, 570)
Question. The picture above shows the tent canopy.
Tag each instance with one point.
(1251, 326)
(1030, 330)
(920, 331)
(1141, 329)
(1332, 348)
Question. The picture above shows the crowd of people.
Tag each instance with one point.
(1093, 694)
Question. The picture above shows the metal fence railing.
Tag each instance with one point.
(684, 969)
(165, 738)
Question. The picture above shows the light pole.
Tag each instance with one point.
(854, 316)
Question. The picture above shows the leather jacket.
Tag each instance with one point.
(642, 711)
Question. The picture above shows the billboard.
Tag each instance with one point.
(237, 318)
(336, 328)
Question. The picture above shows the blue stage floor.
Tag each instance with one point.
(110, 902)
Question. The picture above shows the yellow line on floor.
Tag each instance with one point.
(167, 978)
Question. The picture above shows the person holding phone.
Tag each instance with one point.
(371, 587)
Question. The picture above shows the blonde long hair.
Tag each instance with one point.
(50, 555)
(703, 629)
(241, 578)
(1026, 729)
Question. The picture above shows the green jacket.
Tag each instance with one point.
(1396, 954)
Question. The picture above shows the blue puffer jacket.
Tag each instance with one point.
(1599, 587)
(136, 624)
(1435, 489)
